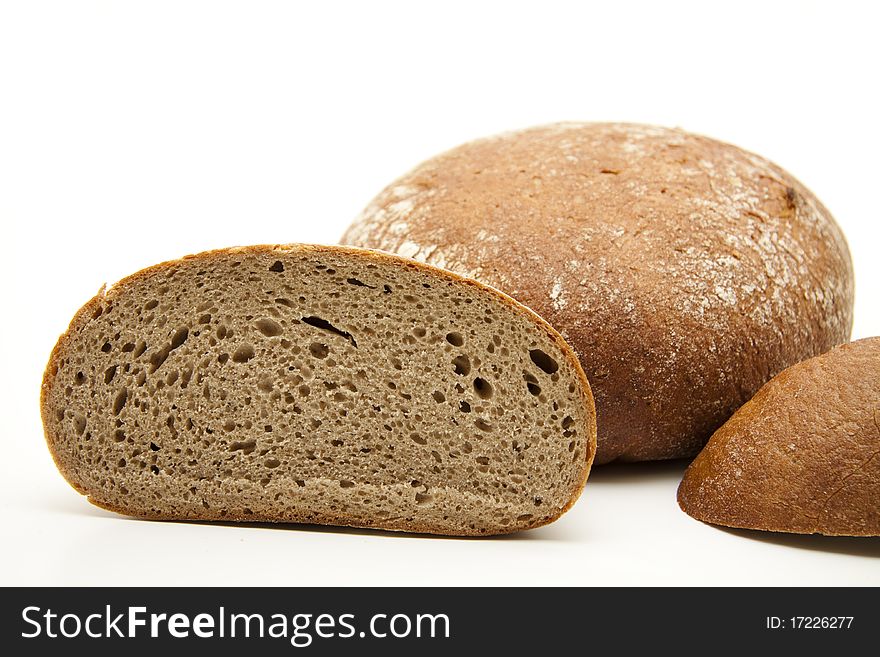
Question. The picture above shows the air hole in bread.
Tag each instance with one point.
(243, 354)
(179, 337)
(544, 361)
(119, 401)
(244, 446)
(482, 424)
(268, 327)
(359, 283)
(323, 324)
(462, 365)
(277, 266)
(158, 358)
(455, 339)
(483, 388)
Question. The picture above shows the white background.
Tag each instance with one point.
(132, 133)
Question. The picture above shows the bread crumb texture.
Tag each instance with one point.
(318, 385)
(684, 272)
(803, 456)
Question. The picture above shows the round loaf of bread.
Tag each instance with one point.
(685, 272)
(802, 456)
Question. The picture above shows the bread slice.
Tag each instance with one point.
(802, 456)
(314, 384)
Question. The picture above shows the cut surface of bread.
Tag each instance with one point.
(802, 456)
(327, 385)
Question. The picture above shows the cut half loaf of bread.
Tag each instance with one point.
(314, 384)
(802, 456)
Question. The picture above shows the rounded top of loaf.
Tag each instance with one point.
(684, 271)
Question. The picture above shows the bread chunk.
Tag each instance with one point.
(324, 385)
(803, 456)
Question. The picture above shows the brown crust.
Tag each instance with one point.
(685, 272)
(803, 456)
(108, 294)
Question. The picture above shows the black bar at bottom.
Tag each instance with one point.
(423, 621)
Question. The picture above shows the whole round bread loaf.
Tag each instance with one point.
(685, 272)
(802, 456)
